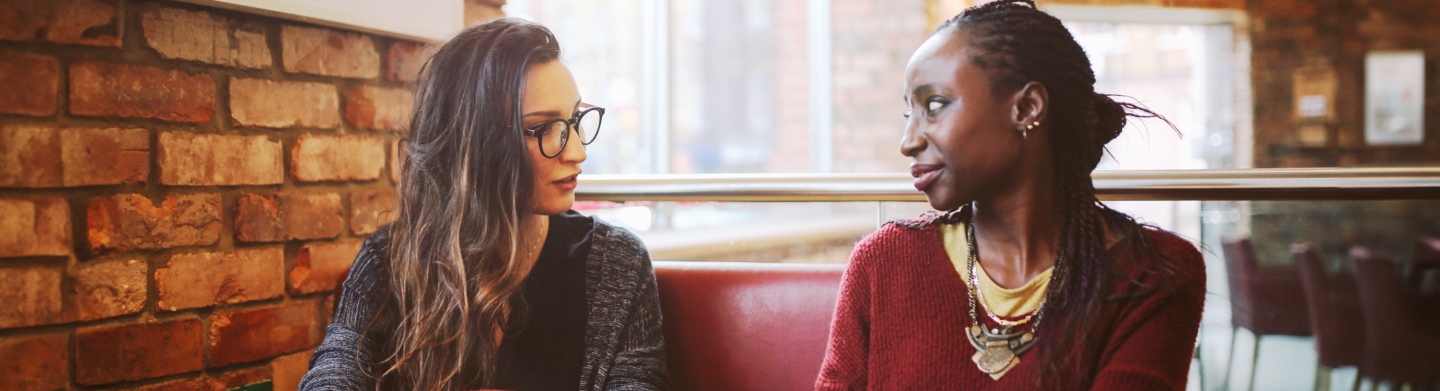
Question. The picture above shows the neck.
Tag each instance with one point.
(1017, 229)
(533, 230)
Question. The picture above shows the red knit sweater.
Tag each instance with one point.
(902, 313)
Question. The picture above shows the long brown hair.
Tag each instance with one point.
(1019, 44)
(454, 250)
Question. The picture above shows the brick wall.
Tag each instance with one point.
(182, 188)
(1295, 35)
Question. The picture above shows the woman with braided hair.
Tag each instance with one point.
(1026, 281)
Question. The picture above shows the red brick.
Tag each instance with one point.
(34, 227)
(396, 159)
(32, 82)
(30, 156)
(201, 383)
(130, 221)
(87, 22)
(109, 288)
(236, 379)
(371, 209)
(404, 59)
(263, 333)
(223, 382)
(35, 362)
(42, 156)
(108, 354)
(201, 36)
(270, 218)
(205, 279)
(322, 267)
(271, 104)
(32, 296)
(327, 52)
(379, 108)
(189, 159)
(337, 158)
(105, 156)
(137, 91)
(327, 309)
(289, 369)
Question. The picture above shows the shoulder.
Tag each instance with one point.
(899, 235)
(894, 241)
(1180, 265)
(369, 269)
(613, 238)
(1181, 252)
(617, 247)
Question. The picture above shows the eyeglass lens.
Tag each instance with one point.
(557, 133)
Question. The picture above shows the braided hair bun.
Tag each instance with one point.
(1110, 119)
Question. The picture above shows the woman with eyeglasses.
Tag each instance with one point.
(1025, 280)
(487, 279)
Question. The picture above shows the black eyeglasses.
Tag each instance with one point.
(555, 133)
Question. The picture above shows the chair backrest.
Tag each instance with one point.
(1387, 310)
(746, 326)
(1334, 309)
(1240, 267)
(1316, 283)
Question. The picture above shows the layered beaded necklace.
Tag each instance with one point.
(998, 350)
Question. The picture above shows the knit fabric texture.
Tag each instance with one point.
(901, 319)
(624, 347)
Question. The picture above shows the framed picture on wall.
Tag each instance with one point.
(1395, 98)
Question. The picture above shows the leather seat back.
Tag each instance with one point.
(746, 326)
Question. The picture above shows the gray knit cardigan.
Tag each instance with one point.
(624, 348)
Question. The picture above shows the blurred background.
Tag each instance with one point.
(195, 177)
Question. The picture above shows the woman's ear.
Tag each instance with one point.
(1030, 106)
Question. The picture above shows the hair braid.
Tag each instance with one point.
(1019, 44)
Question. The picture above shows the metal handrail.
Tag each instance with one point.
(1251, 184)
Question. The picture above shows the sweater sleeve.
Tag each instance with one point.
(640, 362)
(336, 364)
(1155, 338)
(847, 353)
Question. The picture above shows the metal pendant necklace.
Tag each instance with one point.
(998, 350)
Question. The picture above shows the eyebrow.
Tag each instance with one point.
(924, 88)
(548, 113)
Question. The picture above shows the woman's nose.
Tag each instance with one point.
(911, 142)
(575, 151)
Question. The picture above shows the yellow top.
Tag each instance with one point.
(1009, 303)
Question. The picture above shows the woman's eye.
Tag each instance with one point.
(933, 106)
(907, 114)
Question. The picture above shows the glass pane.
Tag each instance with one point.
(602, 44)
(871, 41)
(747, 232)
(738, 86)
(1178, 71)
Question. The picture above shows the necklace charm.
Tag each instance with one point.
(997, 352)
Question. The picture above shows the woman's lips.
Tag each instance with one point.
(568, 183)
(924, 174)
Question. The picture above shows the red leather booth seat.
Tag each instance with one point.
(746, 326)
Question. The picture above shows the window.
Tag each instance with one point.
(778, 86)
